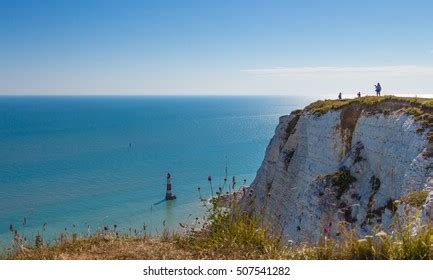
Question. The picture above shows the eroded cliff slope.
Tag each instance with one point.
(350, 163)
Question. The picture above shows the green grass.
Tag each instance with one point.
(415, 106)
(414, 111)
(240, 236)
(237, 235)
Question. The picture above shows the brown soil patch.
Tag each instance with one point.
(348, 118)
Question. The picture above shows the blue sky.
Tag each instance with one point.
(215, 47)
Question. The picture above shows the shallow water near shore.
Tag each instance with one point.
(82, 163)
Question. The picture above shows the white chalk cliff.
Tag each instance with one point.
(345, 167)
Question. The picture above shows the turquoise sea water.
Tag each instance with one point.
(81, 163)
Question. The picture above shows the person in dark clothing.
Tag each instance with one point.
(359, 94)
(378, 89)
(339, 96)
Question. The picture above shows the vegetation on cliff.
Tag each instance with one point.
(237, 235)
(415, 199)
(413, 105)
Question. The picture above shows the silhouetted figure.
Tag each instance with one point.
(359, 94)
(339, 96)
(378, 89)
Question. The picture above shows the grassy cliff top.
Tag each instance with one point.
(414, 105)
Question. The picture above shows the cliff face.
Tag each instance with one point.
(347, 166)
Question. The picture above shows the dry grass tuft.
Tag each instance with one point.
(415, 199)
(107, 247)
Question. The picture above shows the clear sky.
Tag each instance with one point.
(215, 47)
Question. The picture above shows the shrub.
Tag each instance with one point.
(415, 199)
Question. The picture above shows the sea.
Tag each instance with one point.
(77, 164)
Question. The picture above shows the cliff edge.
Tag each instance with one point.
(346, 164)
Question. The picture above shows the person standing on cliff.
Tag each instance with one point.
(378, 89)
(339, 96)
(359, 94)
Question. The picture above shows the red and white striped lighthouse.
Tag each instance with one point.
(169, 195)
